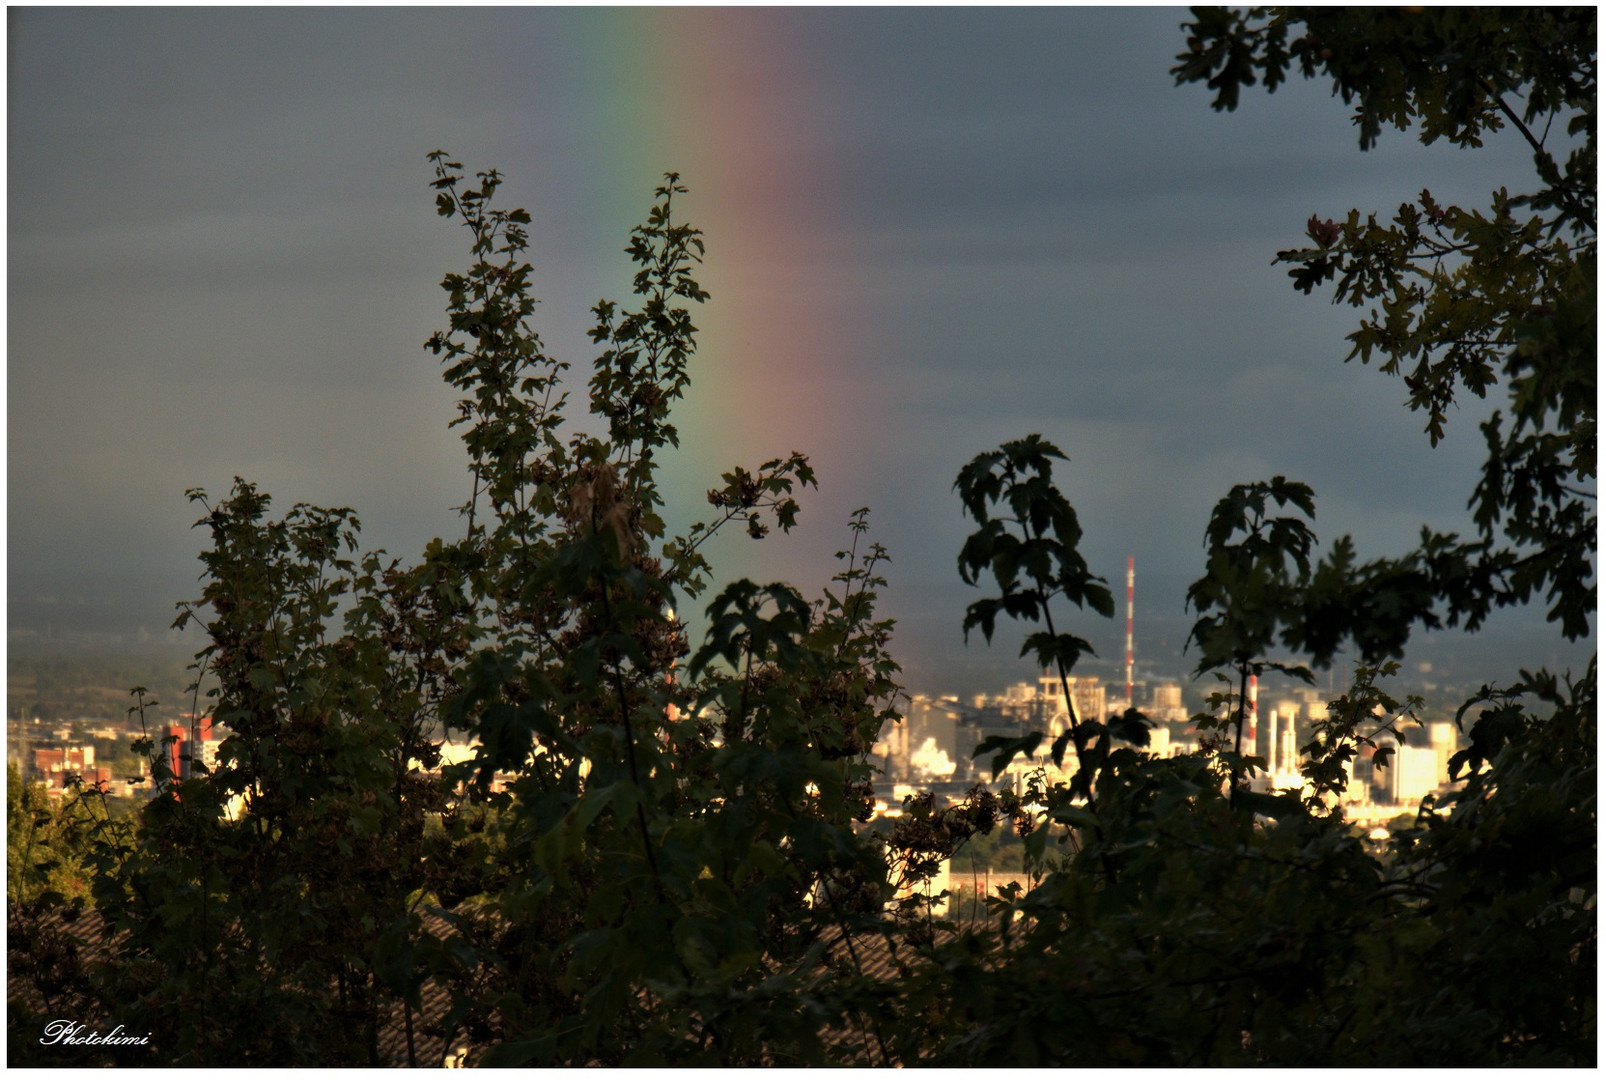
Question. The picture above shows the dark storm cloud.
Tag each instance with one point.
(218, 245)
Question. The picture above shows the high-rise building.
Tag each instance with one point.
(1444, 739)
(1165, 704)
(1265, 746)
(177, 756)
(932, 722)
(1087, 695)
(1160, 740)
(1413, 773)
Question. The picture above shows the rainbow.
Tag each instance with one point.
(720, 96)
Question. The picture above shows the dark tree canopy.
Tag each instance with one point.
(1497, 300)
(660, 852)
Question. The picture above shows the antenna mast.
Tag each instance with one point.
(1129, 702)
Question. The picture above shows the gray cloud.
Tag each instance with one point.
(222, 261)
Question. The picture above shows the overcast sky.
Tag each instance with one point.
(929, 231)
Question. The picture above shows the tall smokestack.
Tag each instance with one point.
(1254, 708)
(1130, 703)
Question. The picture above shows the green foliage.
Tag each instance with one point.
(1038, 537)
(660, 853)
(1182, 918)
(640, 858)
(1253, 586)
(1036, 540)
(1464, 300)
(1337, 737)
(43, 853)
(1443, 69)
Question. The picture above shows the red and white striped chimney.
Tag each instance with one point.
(1130, 703)
(1254, 710)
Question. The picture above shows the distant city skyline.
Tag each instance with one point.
(929, 230)
(933, 747)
